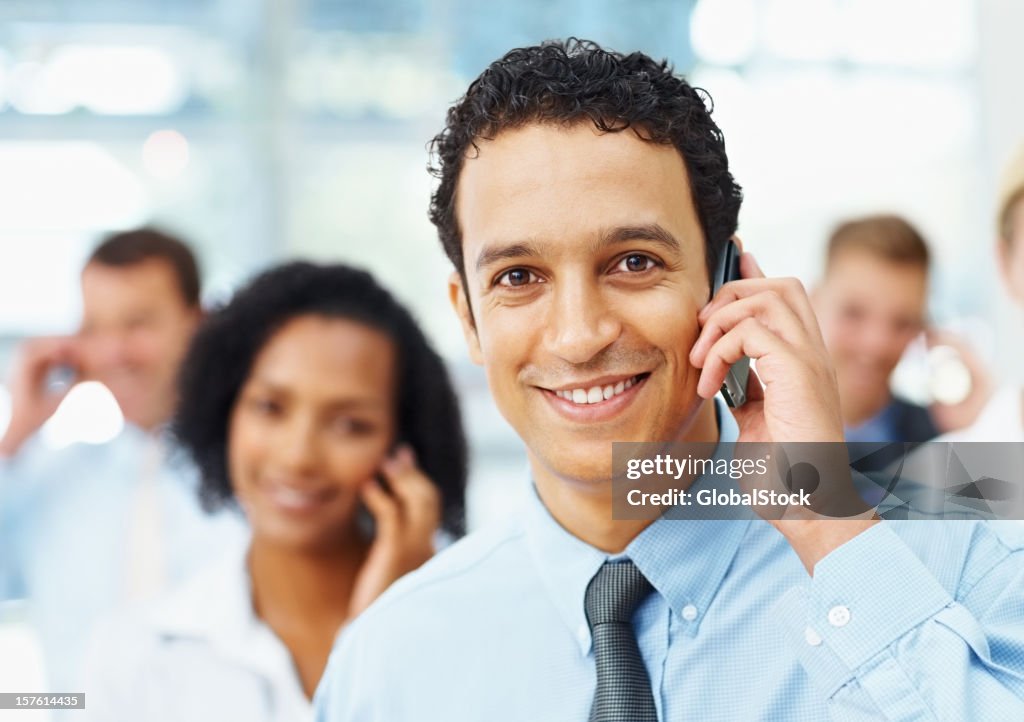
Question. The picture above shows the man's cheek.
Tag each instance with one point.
(677, 333)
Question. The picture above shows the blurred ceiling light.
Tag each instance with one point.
(927, 34)
(730, 97)
(88, 414)
(724, 32)
(801, 29)
(165, 154)
(337, 81)
(119, 80)
(33, 89)
(67, 185)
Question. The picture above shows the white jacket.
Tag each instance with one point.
(200, 655)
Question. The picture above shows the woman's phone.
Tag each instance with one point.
(734, 388)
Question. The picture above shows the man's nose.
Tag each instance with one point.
(581, 322)
(878, 340)
(107, 349)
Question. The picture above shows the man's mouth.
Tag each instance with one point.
(595, 393)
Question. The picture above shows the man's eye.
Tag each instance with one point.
(636, 263)
(516, 277)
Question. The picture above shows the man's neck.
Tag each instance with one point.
(584, 508)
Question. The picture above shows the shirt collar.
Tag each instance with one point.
(684, 560)
(215, 607)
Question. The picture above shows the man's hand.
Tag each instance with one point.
(407, 515)
(31, 402)
(771, 321)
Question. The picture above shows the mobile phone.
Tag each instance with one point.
(59, 378)
(734, 388)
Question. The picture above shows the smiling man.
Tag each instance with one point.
(584, 198)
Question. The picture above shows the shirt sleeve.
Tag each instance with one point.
(13, 495)
(883, 636)
(345, 692)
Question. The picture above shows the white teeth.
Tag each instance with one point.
(595, 394)
(294, 498)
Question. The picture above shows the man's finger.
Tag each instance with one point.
(747, 338)
(766, 307)
(790, 289)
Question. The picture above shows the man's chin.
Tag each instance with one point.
(135, 411)
(585, 467)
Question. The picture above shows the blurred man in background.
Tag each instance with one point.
(88, 527)
(871, 304)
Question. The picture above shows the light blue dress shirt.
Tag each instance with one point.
(913, 620)
(66, 536)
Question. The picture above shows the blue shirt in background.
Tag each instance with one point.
(899, 420)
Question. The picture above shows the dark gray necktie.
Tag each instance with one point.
(623, 689)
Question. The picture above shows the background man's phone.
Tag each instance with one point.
(59, 378)
(734, 388)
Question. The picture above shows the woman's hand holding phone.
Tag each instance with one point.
(407, 514)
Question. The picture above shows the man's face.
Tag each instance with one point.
(136, 327)
(584, 260)
(869, 308)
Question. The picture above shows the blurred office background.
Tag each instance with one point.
(267, 129)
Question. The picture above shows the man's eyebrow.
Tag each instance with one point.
(497, 252)
(644, 232)
(620, 234)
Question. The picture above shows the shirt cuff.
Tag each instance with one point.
(864, 596)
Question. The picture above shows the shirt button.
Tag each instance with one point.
(839, 616)
(583, 634)
(812, 637)
(689, 612)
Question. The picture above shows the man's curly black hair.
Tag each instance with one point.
(570, 81)
(224, 349)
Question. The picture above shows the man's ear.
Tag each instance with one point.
(739, 243)
(460, 302)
